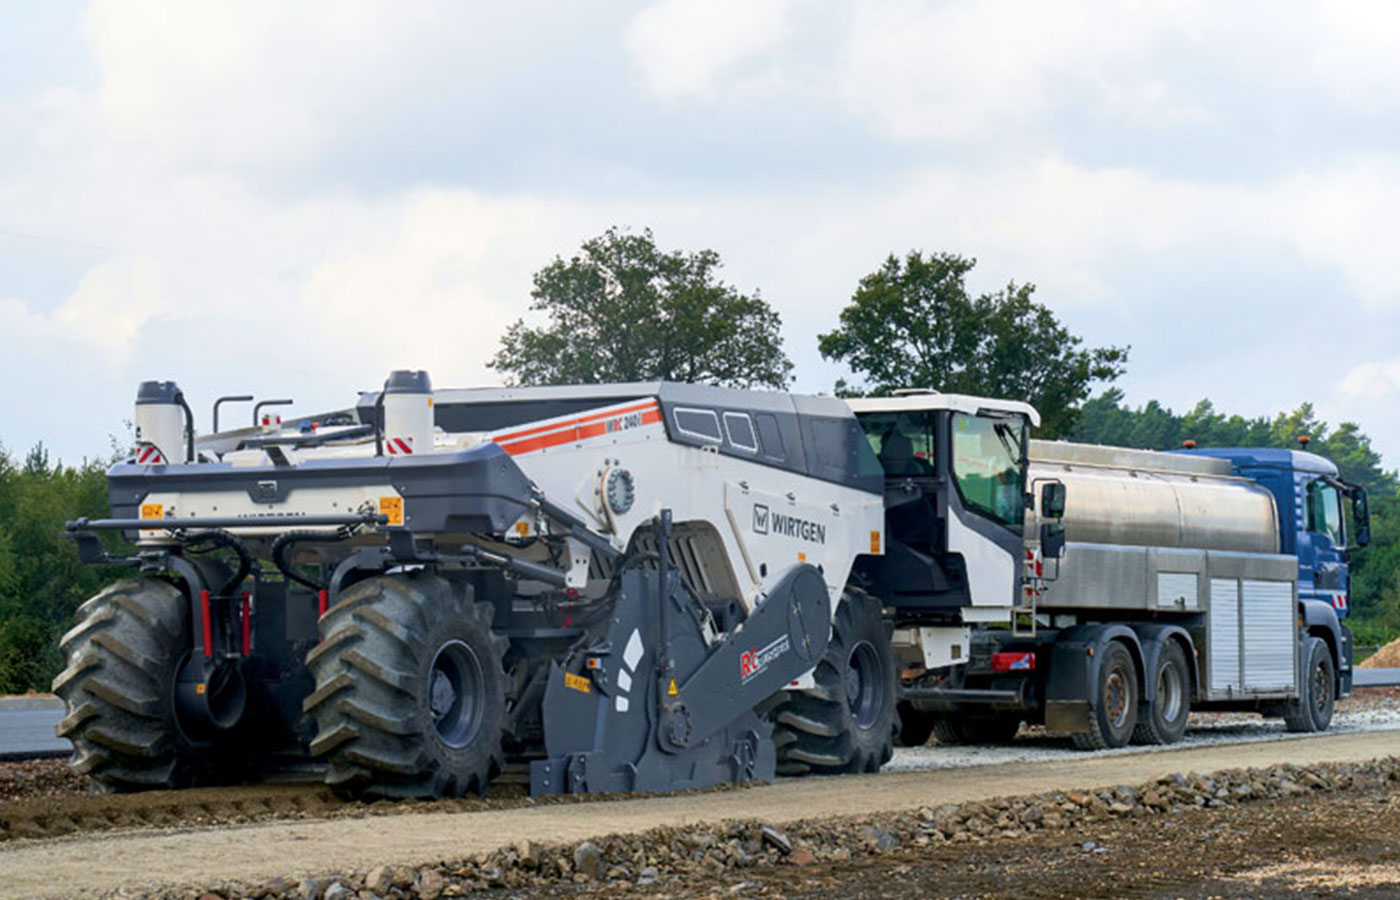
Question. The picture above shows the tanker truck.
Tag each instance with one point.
(1153, 583)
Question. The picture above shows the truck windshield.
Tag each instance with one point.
(904, 441)
(1325, 511)
(989, 466)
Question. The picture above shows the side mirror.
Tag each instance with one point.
(1052, 539)
(1360, 516)
(1052, 500)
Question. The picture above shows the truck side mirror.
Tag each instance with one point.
(1052, 500)
(1052, 539)
(1360, 515)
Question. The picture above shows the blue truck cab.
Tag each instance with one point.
(1322, 521)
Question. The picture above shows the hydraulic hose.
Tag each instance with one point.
(223, 539)
(280, 546)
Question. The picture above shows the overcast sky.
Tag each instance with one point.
(293, 198)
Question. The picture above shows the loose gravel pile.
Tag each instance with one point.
(1388, 657)
(40, 779)
(647, 862)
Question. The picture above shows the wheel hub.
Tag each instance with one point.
(455, 685)
(864, 683)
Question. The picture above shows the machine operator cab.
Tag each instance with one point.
(955, 502)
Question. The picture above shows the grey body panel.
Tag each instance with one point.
(476, 490)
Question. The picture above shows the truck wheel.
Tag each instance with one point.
(954, 730)
(915, 725)
(1163, 721)
(410, 690)
(118, 688)
(847, 722)
(1313, 710)
(1114, 715)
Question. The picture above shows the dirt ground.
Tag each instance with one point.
(1314, 846)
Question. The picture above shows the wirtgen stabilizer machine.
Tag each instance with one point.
(638, 587)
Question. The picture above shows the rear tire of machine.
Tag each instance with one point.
(846, 723)
(118, 690)
(1114, 716)
(1313, 711)
(1163, 721)
(410, 690)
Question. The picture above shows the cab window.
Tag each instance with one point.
(903, 442)
(1325, 512)
(988, 465)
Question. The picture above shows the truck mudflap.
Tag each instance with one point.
(1074, 673)
(654, 708)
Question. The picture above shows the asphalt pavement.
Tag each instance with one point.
(1375, 677)
(28, 733)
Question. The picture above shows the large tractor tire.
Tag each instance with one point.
(410, 690)
(1313, 710)
(847, 722)
(118, 690)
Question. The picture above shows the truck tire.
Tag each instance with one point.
(410, 690)
(955, 730)
(1313, 710)
(118, 688)
(1163, 721)
(915, 725)
(847, 722)
(1114, 716)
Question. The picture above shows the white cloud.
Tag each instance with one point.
(1372, 380)
(685, 47)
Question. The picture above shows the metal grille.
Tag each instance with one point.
(1224, 635)
(1268, 635)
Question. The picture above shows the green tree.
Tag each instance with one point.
(624, 310)
(913, 323)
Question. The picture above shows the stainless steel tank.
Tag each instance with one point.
(1149, 499)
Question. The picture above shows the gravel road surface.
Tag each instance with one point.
(87, 864)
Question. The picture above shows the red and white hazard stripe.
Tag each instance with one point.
(1035, 563)
(571, 430)
(149, 455)
(1339, 601)
(398, 446)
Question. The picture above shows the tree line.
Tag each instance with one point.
(623, 309)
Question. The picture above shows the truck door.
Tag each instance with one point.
(1327, 540)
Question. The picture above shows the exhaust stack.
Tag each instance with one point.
(161, 419)
(408, 413)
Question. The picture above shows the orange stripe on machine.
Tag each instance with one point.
(580, 428)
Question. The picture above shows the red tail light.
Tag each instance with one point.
(1013, 662)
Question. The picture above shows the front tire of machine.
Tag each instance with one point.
(1313, 711)
(1116, 695)
(1163, 721)
(410, 690)
(847, 722)
(952, 731)
(118, 688)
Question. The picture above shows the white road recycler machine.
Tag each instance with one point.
(627, 587)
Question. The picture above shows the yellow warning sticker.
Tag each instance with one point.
(671, 691)
(393, 508)
(577, 682)
(152, 510)
(199, 688)
(874, 542)
(522, 528)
